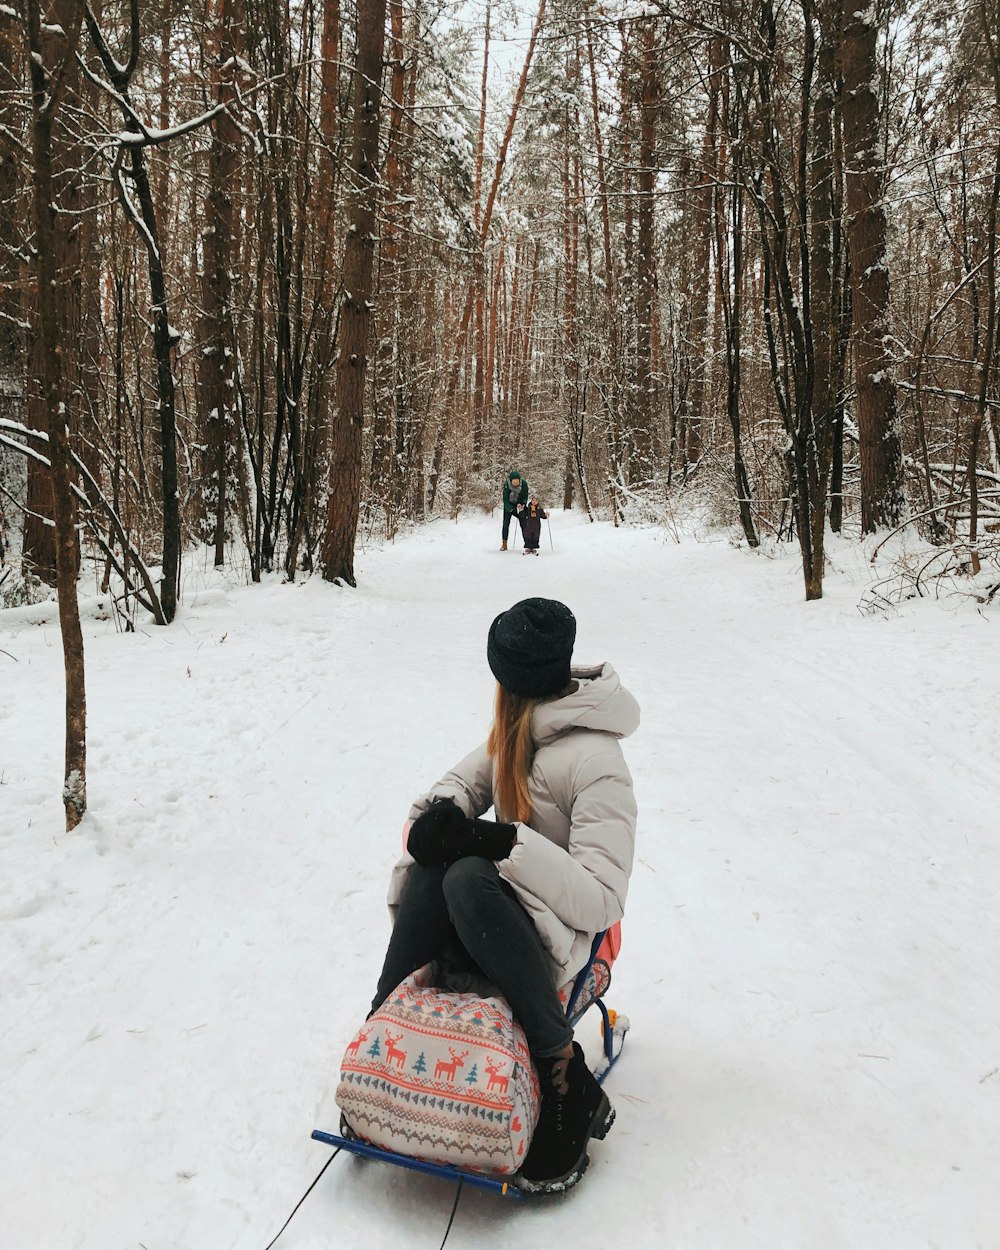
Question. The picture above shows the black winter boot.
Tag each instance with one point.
(574, 1109)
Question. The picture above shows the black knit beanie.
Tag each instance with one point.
(530, 646)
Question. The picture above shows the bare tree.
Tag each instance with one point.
(795, 193)
(220, 352)
(728, 215)
(344, 489)
(991, 337)
(51, 47)
(874, 373)
(12, 323)
(131, 166)
(641, 460)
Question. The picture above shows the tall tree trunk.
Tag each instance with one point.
(391, 278)
(490, 371)
(479, 262)
(991, 338)
(641, 460)
(163, 344)
(76, 197)
(613, 396)
(878, 423)
(415, 295)
(785, 216)
(523, 375)
(143, 217)
(729, 249)
(52, 61)
(826, 262)
(12, 341)
(327, 192)
(703, 196)
(344, 498)
(220, 354)
(66, 158)
(165, 84)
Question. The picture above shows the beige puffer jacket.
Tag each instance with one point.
(570, 868)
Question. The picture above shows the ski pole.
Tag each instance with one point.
(548, 526)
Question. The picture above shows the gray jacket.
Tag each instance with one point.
(570, 868)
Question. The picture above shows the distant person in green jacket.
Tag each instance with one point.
(514, 496)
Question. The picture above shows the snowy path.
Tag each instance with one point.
(811, 953)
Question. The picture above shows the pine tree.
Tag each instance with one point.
(344, 498)
(421, 1064)
(375, 1048)
(473, 1077)
(866, 178)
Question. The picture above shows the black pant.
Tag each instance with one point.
(470, 902)
(506, 522)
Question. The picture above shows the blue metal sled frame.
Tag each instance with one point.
(505, 1188)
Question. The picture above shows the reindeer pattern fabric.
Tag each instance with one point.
(444, 1077)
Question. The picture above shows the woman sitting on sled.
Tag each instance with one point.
(520, 900)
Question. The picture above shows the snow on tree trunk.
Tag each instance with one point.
(220, 353)
(67, 159)
(12, 339)
(865, 185)
(52, 70)
(344, 497)
(641, 459)
(131, 172)
(393, 281)
(728, 216)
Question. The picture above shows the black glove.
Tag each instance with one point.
(444, 833)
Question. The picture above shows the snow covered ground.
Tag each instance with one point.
(811, 961)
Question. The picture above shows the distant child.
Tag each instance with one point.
(531, 525)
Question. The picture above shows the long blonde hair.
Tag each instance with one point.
(513, 752)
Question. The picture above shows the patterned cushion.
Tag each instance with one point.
(442, 1076)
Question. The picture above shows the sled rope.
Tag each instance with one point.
(306, 1195)
(458, 1194)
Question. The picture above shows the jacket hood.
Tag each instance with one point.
(600, 701)
(514, 473)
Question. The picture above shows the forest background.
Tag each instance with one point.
(275, 276)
